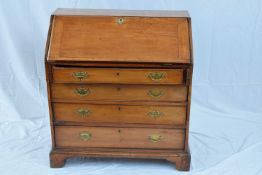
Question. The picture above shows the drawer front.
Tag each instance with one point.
(167, 115)
(119, 92)
(67, 136)
(114, 75)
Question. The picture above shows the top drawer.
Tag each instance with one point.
(117, 75)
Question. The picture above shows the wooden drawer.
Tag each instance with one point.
(119, 92)
(69, 136)
(116, 75)
(97, 113)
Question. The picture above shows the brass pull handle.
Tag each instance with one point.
(120, 21)
(155, 138)
(80, 75)
(167, 64)
(82, 92)
(157, 76)
(83, 112)
(155, 93)
(155, 114)
(85, 135)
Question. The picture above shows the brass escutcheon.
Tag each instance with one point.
(83, 112)
(82, 92)
(85, 135)
(120, 21)
(157, 76)
(155, 114)
(155, 137)
(80, 75)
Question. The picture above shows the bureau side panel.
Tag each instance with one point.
(48, 71)
(189, 82)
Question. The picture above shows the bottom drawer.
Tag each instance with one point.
(106, 137)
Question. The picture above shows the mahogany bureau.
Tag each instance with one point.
(119, 84)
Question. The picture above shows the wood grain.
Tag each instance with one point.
(179, 158)
(101, 38)
(104, 137)
(120, 114)
(120, 92)
(118, 75)
(118, 12)
(118, 58)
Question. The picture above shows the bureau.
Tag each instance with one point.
(119, 84)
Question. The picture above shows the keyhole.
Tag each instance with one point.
(119, 131)
(118, 88)
(120, 21)
(117, 73)
(119, 108)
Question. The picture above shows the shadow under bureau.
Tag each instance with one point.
(119, 84)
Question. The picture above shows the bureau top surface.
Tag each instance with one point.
(119, 36)
(116, 12)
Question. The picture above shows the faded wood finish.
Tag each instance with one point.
(118, 12)
(119, 92)
(104, 137)
(146, 114)
(136, 39)
(119, 76)
(119, 84)
(179, 158)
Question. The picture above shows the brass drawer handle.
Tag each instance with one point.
(83, 112)
(82, 91)
(167, 64)
(157, 76)
(85, 135)
(155, 138)
(80, 75)
(155, 114)
(155, 93)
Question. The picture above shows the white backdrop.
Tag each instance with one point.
(226, 116)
